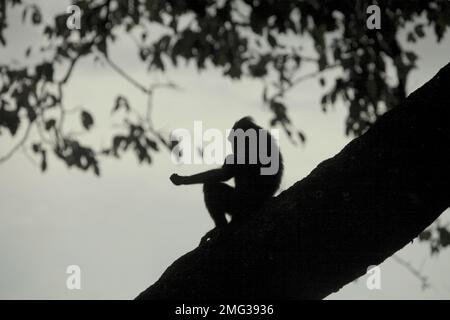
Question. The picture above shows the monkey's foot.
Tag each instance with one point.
(210, 235)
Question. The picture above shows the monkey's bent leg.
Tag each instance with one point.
(218, 197)
(218, 201)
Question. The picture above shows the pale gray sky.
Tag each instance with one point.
(125, 228)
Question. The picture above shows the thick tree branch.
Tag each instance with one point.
(354, 210)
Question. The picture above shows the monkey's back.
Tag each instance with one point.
(252, 185)
(255, 181)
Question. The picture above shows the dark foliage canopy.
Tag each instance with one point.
(250, 38)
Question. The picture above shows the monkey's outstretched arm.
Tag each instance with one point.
(215, 175)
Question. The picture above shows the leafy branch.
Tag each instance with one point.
(253, 39)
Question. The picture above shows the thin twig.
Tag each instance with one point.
(126, 76)
(148, 91)
(314, 74)
(28, 156)
(60, 85)
(69, 71)
(18, 145)
(149, 110)
(302, 78)
(423, 279)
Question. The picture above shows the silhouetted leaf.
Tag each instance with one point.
(444, 237)
(412, 57)
(24, 14)
(43, 160)
(50, 124)
(152, 144)
(322, 82)
(121, 103)
(36, 147)
(264, 94)
(10, 120)
(301, 136)
(45, 71)
(96, 168)
(425, 235)
(271, 39)
(87, 120)
(419, 30)
(36, 16)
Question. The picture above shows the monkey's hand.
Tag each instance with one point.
(176, 179)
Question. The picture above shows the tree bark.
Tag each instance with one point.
(353, 211)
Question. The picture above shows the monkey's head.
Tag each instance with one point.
(255, 149)
(244, 123)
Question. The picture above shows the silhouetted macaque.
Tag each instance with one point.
(256, 166)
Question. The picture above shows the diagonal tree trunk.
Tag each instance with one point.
(354, 210)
